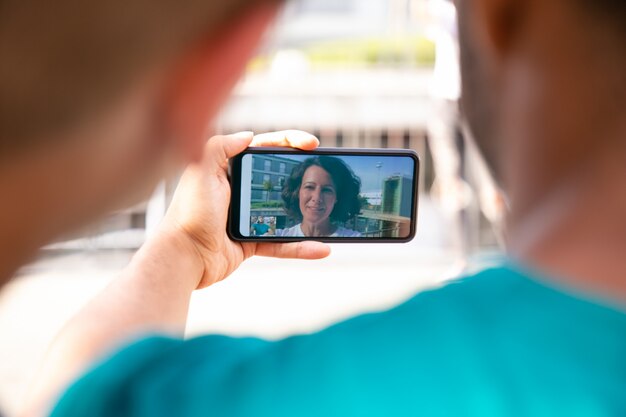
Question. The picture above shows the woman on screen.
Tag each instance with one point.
(321, 193)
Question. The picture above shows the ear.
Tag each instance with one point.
(497, 22)
(204, 77)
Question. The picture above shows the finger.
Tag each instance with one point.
(289, 138)
(222, 147)
(295, 250)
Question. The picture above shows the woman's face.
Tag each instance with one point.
(317, 195)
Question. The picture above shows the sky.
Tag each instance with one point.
(364, 166)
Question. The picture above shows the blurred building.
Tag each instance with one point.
(307, 21)
(356, 73)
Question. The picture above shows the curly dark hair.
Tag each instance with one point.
(348, 187)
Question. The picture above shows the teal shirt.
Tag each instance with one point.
(500, 343)
(260, 229)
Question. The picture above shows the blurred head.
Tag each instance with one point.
(66, 63)
(99, 99)
(542, 80)
(320, 189)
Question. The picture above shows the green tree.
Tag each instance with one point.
(268, 186)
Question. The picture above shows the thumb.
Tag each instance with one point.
(222, 147)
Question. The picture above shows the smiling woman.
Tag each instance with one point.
(321, 193)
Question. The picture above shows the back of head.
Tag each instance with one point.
(592, 32)
(544, 89)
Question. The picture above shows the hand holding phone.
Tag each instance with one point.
(332, 195)
(196, 219)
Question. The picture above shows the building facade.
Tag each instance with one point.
(269, 173)
(397, 195)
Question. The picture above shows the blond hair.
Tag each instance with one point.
(62, 60)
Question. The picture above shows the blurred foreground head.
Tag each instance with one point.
(544, 87)
(66, 63)
(98, 99)
(544, 94)
(538, 72)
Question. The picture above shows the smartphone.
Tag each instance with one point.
(329, 195)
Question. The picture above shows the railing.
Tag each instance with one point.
(382, 232)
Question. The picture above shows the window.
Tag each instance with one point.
(257, 178)
(267, 165)
(282, 167)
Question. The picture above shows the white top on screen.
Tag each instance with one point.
(296, 231)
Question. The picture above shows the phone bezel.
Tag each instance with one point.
(235, 203)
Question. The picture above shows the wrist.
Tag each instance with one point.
(173, 251)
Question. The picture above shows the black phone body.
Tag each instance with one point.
(329, 194)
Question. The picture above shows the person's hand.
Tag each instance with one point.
(197, 216)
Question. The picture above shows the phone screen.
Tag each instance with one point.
(343, 197)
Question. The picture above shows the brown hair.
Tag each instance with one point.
(348, 186)
(62, 60)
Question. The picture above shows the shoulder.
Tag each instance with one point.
(466, 300)
(92, 394)
(290, 231)
(153, 375)
(431, 335)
